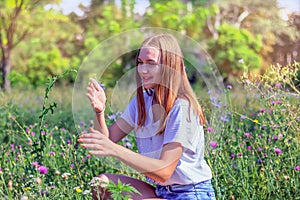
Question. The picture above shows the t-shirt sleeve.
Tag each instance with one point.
(129, 114)
(183, 128)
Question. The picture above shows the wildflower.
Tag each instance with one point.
(52, 153)
(255, 121)
(68, 142)
(224, 118)
(128, 145)
(278, 151)
(65, 175)
(259, 149)
(32, 134)
(229, 87)
(72, 165)
(249, 147)
(52, 186)
(35, 164)
(43, 132)
(241, 60)
(210, 129)
(101, 181)
(247, 135)
(243, 117)
(38, 181)
(232, 155)
(78, 190)
(85, 192)
(297, 168)
(213, 144)
(10, 184)
(81, 124)
(239, 155)
(57, 172)
(24, 197)
(278, 86)
(43, 169)
(44, 192)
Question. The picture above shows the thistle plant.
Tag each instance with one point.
(40, 145)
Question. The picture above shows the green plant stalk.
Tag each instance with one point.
(45, 110)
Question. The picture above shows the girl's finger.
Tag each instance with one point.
(96, 85)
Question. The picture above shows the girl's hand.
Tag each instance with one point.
(96, 96)
(98, 143)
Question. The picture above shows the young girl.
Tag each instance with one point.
(167, 120)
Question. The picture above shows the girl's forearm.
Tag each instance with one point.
(100, 124)
(157, 169)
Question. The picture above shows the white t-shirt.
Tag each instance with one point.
(191, 167)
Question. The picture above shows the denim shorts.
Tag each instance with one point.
(198, 191)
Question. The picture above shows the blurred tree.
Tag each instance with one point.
(101, 21)
(287, 49)
(233, 48)
(28, 28)
(259, 17)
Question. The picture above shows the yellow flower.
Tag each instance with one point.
(256, 121)
(78, 190)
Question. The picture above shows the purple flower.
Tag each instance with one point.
(278, 85)
(213, 144)
(249, 147)
(210, 129)
(35, 163)
(278, 151)
(232, 155)
(262, 110)
(259, 149)
(32, 134)
(88, 156)
(52, 153)
(72, 166)
(247, 135)
(229, 87)
(68, 142)
(52, 186)
(44, 192)
(81, 124)
(128, 145)
(43, 169)
(239, 155)
(243, 117)
(297, 168)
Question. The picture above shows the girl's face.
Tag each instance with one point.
(149, 67)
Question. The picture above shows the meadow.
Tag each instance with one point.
(254, 156)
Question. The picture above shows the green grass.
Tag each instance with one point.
(255, 154)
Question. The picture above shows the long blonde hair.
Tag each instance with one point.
(174, 80)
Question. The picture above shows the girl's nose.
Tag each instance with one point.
(143, 68)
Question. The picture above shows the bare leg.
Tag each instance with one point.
(147, 191)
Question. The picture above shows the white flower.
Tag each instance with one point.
(65, 175)
(85, 192)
